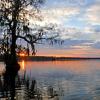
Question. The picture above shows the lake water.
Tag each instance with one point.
(55, 80)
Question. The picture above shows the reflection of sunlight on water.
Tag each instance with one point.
(22, 65)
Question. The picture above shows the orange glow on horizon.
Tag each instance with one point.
(70, 53)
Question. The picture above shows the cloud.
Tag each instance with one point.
(69, 44)
(92, 14)
(66, 3)
(86, 33)
(56, 15)
(77, 44)
(82, 34)
(96, 45)
(79, 51)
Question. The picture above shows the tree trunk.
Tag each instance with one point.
(13, 42)
(13, 47)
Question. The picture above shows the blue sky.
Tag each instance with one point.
(79, 25)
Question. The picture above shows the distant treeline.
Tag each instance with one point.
(52, 58)
(49, 58)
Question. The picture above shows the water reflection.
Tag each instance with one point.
(70, 80)
(16, 87)
(23, 65)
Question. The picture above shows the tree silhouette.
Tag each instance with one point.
(15, 25)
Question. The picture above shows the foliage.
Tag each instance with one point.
(15, 25)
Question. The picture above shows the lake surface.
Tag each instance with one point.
(55, 80)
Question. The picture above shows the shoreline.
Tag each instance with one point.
(46, 58)
(50, 58)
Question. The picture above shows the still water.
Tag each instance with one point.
(57, 80)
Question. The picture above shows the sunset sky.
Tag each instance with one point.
(78, 22)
